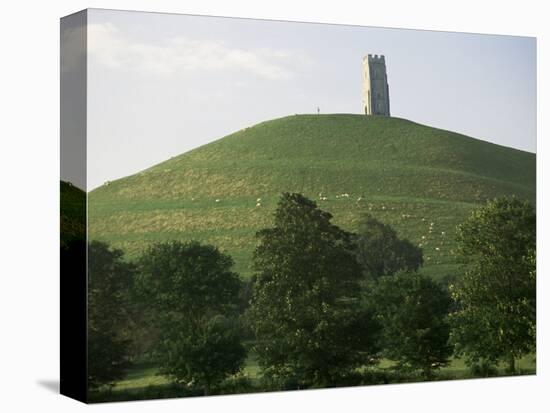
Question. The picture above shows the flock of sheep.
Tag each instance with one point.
(322, 197)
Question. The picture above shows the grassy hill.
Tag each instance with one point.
(73, 212)
(421, 180)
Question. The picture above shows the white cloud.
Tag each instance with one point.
(110, 47)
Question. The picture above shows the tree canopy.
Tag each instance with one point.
(305, 309)
(109, 285)
(194, 296)
(412, 310)
(381, 252)
(495, 318)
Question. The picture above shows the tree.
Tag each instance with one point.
(305, 308)
(194, 296)
(109, 285)
(495, 318)
(204, 355)
(412, 310)
(380, 252)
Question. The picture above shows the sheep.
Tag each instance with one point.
(217, 200)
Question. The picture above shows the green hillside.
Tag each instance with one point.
(72, 212)
(421, 180)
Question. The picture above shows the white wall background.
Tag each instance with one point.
(29, 173)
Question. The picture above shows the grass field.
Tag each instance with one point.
(421, 180)
(143, 381)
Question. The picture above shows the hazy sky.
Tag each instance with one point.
(162, 84)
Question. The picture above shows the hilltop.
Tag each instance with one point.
(421, 180)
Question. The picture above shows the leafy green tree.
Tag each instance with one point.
(109, 285)
(380, 252)
(203, 355)
(194, 297)
(305, 308)
(495, 318)
(412, 310)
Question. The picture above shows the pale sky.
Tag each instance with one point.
(162, 84)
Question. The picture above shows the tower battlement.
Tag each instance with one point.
(374, 58)
(376, 96)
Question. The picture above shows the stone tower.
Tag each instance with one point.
(376, 95)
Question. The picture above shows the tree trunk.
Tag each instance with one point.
(428, 373)
(207, 389)
(511, 364)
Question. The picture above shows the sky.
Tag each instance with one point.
(162, 84)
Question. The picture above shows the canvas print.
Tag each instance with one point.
(252, 206)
